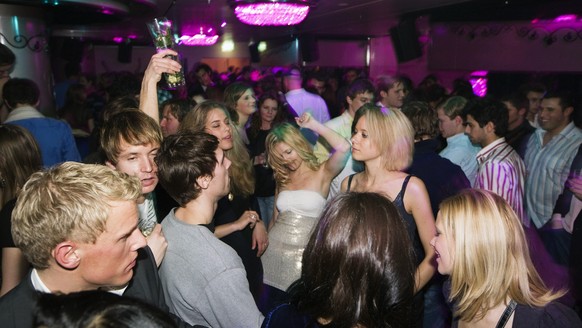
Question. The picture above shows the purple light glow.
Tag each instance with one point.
(565, 18)
(198, 40)
(223, 24)
(274, 14)
(117, 39)
(479, 85)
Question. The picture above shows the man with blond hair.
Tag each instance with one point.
(76, 224)
(459, 149)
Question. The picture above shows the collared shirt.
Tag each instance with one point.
(502, 171)
(547, 170)
(41, 287)
(462, 152)
(302, 101)
(147, 214)
(342, 125)
(55, 138)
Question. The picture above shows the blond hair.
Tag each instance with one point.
(241, 172)
(290, 135)
(69, 201)
(453, 106)
(391, 131)
(491, 256)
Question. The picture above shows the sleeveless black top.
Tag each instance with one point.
(407, 217)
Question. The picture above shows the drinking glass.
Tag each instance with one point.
(163, 37)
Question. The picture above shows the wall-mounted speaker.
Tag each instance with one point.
(308, 48)
(254, 53)
(405, 41)
(124, 52)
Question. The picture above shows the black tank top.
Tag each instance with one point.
(407, 217)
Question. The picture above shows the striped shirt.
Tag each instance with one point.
(502, 171)
(547, 170)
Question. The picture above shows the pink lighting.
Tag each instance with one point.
(565, 18)
(198, 40)
(271, 13)
(478, 81)
(223, 24)
(117, 39)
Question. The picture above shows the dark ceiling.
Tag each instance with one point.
(100, 21)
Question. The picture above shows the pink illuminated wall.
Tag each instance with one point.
(507, 46)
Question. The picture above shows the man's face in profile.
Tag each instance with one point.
(110, 260)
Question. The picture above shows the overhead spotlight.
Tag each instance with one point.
(272, 12)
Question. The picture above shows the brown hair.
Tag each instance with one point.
(128, 126)
(357, 268)
(19, 158)
(182, 159)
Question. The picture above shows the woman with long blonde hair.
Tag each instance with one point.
(302, 188)
(481, 244)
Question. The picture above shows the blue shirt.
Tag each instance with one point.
(547, 170)
(462, 152)
(54, 137)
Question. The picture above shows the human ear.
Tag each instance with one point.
(110, 165)
(349, 100)
(204, 181)
(568, 111)
(66, 255)
(490, 127)
(458, 120)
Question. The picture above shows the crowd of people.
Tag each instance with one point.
(289, 199)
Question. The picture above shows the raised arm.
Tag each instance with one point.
(339, 145)
(148, 97)
(417, 202)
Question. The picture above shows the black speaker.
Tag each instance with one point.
(405, 40)
(254, 53)
(308, 48)
(72, 50)
(124, 51)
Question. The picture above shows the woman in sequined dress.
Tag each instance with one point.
(302, 188)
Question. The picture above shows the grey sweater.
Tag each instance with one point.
(204, 280)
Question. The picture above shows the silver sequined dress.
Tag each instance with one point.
(299, 212)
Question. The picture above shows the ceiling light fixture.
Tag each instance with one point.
(200, 39)
(271, 12)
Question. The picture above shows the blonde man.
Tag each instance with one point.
(459, 149)
(77, 226)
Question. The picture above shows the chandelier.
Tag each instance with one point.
(271, 12)
(199, 39)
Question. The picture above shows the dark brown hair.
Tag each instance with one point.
(358, 265)
(182, 159)
(255, 125)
